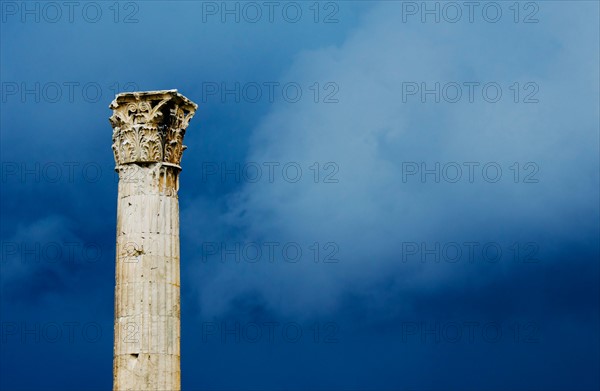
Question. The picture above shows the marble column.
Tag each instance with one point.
(148, 130)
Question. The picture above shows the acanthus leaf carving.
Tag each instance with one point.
(149, 127)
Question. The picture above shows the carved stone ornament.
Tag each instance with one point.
(148, 127)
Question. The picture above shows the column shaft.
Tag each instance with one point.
(147, 298)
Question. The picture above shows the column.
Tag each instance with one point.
(148, 131)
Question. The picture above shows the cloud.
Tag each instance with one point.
(374, 134)
(43, 257)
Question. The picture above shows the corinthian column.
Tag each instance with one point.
(148, 144)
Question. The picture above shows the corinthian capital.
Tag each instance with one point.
(148, 127)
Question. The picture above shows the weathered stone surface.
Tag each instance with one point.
(148, 144)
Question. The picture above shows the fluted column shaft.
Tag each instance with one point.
(147, 301)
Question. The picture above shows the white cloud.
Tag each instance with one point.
(370, 132)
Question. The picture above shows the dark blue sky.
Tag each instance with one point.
(375, 196)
